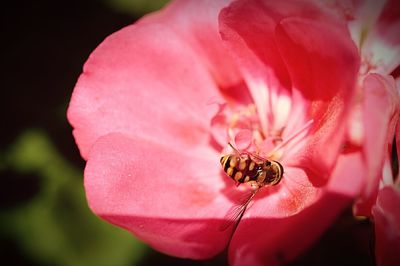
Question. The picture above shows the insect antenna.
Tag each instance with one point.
(251, 154)
(234, 214)
(235, 149)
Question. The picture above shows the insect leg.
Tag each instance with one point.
(233, 148)
(260, 158)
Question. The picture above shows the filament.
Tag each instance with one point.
(291, 137)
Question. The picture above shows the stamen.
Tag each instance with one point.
(291, 137)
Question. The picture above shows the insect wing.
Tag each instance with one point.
(235, 213)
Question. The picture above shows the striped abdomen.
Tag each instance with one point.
(241, 168)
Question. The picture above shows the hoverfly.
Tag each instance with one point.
(245, 167)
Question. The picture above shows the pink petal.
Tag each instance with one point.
(277, 240)
(305, 54)
(196, 23)
(380, 115)
(218, 126)
(397, 136)
(385, 42)
(243, 139)
(375, 28)
(291, 57)
(389, 21)
(174, 201)
(255, 52)
(386, 215)
(149, 80)
(324, 69)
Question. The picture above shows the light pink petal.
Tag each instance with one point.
(389, 22)
(355, 126)
(380, 115)
(218, 126)
(375, 27)
(385, 40)
(362, 16)
(171, 200)
(150, 80)
(277, 240)
(243, 139)
(386, 215)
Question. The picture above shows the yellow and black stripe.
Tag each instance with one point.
(240, 168)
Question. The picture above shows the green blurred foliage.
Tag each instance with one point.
(56, 227)
(135, 7)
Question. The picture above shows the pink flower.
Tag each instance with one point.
(159, 100)
(380, 113)
(375, 27)
(380, 198)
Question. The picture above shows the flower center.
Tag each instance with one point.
(246, 119)
(246, 133)
(270, 132)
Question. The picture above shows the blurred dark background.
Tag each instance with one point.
(44, 219)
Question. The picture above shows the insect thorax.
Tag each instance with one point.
(273, 173)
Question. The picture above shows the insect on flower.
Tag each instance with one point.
(247, 167)
(250, 168)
